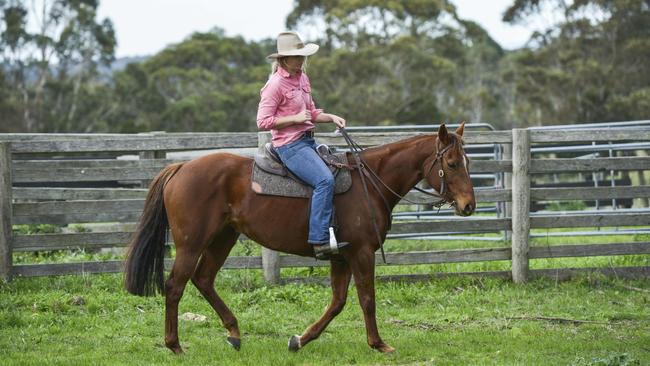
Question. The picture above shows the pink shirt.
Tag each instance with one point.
(284, 95)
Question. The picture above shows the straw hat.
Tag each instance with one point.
(290, 44)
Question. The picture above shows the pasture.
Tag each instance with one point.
(452, 321)
(90, 319)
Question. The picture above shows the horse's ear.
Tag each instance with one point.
(443, 135)
(460, 129)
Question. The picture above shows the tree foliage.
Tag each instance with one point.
(51, 68)
(591, 67)
(208, 82)
(400, 61)
(381, 62)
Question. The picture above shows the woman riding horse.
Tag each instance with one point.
(288, 110)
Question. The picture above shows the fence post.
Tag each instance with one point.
(151, 154)
(270, 258)
(5, 212)
(520, 203)
(507, 184)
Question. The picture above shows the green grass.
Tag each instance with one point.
(453, 321)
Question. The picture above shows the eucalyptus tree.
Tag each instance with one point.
(208, 82)
(590, 67)
(400, 61)
(51, 50)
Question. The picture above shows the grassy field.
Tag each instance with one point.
(83, 320)
(591, 320)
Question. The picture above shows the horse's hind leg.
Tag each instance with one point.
(340, 276)
(182, 270)
(209, 264)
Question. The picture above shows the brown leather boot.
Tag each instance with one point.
(325, 251)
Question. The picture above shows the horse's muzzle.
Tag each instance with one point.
(467, 210)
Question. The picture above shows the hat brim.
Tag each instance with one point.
(308, 50)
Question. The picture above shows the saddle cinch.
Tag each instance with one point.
(271, 177)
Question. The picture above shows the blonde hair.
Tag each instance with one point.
(282, 62)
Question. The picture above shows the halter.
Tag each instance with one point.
(373, 178)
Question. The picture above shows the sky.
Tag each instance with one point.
(145, 27)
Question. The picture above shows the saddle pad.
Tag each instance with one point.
(276, 185)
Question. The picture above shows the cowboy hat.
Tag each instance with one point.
(290, 44)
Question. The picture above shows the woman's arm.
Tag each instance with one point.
(270, 99)
(328, 117)
(286, 121)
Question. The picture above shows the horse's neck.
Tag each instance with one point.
(399, 164)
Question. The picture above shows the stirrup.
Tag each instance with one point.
(325, 251)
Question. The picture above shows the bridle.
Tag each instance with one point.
(442, 193)
(365, 172)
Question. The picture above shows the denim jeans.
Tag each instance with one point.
(301, 158)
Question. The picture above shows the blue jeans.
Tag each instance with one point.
(301, 158)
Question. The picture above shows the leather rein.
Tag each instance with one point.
(374, 179)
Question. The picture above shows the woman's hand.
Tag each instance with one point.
(338, 121)
(302, 117)
(327, 117)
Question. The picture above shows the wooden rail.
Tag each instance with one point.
(38, 162)
(408, 258)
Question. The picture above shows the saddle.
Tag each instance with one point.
(271, 177)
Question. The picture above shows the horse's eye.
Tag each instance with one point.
(452, 165)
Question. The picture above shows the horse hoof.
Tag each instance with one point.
(384, 348)
(294, 343)
(234, 342)
(177, 350)
(174, 347)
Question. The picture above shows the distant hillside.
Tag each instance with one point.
(120, 64)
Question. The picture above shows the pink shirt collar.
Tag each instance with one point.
(284, 73)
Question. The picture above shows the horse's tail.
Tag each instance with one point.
(145, 263)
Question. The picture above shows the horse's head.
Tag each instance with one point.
(447, 170)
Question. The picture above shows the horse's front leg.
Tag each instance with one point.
(362, 265)
(340, 277)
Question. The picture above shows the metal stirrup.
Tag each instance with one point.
(334, 245)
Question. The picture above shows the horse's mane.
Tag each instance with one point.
(455, 140)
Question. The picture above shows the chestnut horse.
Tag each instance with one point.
(208, 202)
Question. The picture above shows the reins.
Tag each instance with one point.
(373, 178)
(361, 165)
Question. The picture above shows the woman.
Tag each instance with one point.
(287, 109)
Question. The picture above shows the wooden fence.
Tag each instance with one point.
(31, 165)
